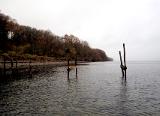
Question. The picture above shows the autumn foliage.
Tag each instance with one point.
(22, 41)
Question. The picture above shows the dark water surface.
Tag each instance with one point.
(99, 90)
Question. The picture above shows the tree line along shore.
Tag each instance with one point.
(19, 42)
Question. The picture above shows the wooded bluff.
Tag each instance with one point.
(23, 42)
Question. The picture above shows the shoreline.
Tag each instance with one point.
(35, 63)
(29, 69)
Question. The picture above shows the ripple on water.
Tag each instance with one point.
(98, 90)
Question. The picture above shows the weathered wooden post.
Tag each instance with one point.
(16, 67)
(12, 66)
(121, 63)
(16, 63)
(68, 69)
(76, 72)
(67, 51)
(76, 61)
(30, 67)
(76, 65)
(4, 68)
(125, 67)
(11, 63)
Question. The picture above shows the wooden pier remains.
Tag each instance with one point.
(123, 65)
(69, 68)
(10, 67)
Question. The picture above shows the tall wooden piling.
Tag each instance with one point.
(30, 68)
(124, 60)
(4, 68)
(76, 72)
(68, 69)
(120, 56)
(123, 66)
(76, 61)
(16, 67)
(124, 54)
(16, 63)
(12, 66)
(11, 63)
(76, 65)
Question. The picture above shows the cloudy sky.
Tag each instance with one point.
(105, 24)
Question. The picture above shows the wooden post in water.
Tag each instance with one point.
(76, 65)
(125, 67)
(12, 66)
(68, 69)
(11, 63)
(120, 56)
(76, 61)
(76, 72)
(30, 67)
(16, 63)
(4, 68)
(16, 67)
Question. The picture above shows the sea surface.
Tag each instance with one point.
(97, 90)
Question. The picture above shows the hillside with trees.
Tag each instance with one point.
(23, 42)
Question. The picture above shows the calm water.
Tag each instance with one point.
(99, 90)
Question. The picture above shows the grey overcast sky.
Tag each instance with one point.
(105, 24)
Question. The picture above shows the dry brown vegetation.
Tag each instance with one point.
(24, 42)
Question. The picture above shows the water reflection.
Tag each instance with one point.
(123, 98)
